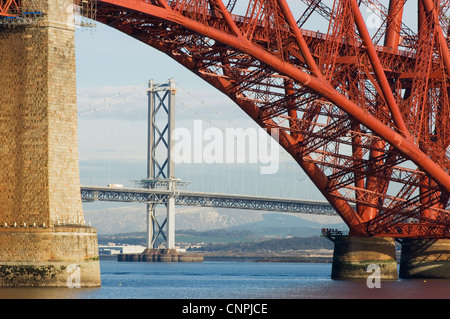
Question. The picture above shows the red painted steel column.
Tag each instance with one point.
(299, 37)
(292, 112)
(427, 7)
(445, 53)
(359, 176)
(391, 41)
(227, 16)
(394, 24)
(379, 72)
(420, 15)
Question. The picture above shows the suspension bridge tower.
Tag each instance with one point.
(43, 238)
(160, 166)
(161, 174)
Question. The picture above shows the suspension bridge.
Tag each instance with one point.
(161, 186)
(202, 199)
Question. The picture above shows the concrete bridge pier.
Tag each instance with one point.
(357, 258)
(43, 238)
(425, 258)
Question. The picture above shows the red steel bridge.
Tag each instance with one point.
(365, 114)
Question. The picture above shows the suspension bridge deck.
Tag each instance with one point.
(201, 199)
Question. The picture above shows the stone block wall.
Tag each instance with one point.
(352, 256)
(42, 257)
(39, 175)
(425, 258)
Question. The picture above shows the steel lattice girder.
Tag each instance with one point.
(349, 112)
(184, 198)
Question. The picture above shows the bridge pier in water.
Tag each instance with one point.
(354, 258)
(425, 258)
(43, 238)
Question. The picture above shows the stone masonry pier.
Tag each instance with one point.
(353, 255)
(39, 173)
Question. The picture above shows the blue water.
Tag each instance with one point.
(231, 280)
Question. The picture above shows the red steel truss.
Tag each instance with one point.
(366, 116)
(9, 7)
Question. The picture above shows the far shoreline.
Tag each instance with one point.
(271, 259)
(299, 256)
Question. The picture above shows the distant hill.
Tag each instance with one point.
(132, 218)
(272, 245)
(275, 225)
(242, 245)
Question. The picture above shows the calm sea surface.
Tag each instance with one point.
(230, 280)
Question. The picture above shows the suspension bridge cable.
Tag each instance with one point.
(204, 104)
(250, 147)
(120, 94)
(110, 104)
